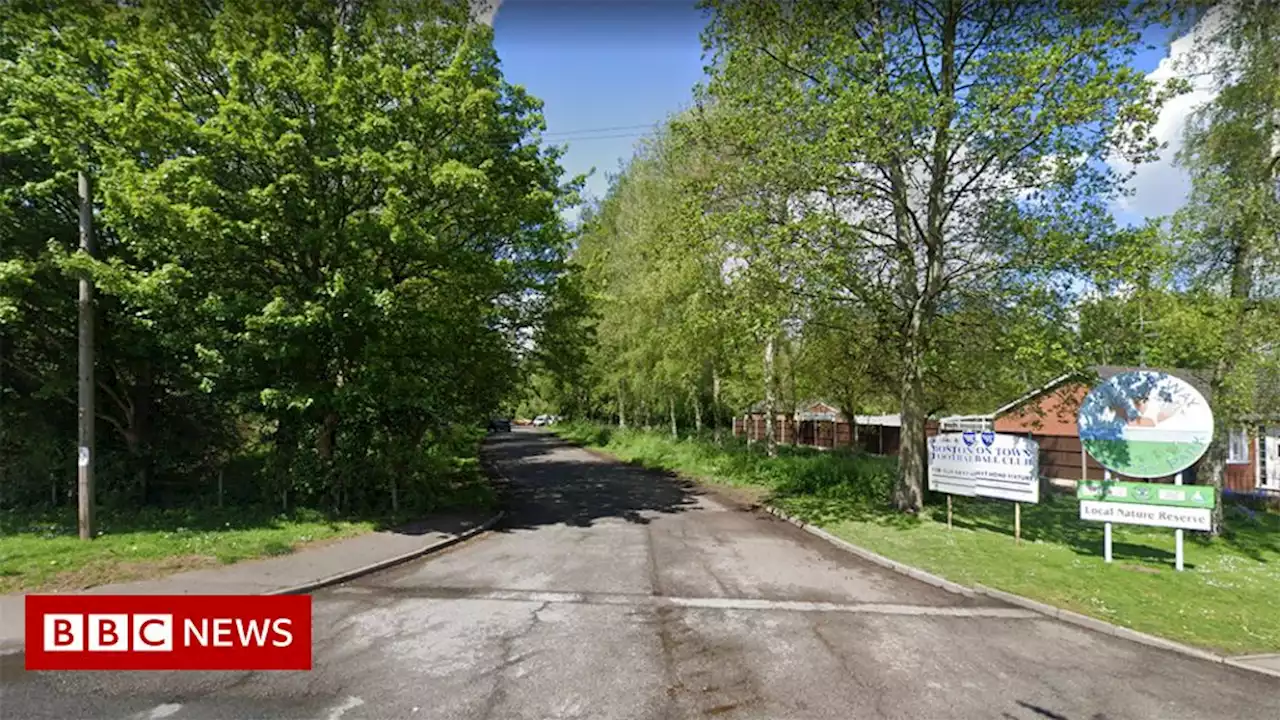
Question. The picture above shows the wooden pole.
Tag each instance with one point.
(1017, 523)
(948, 511)
(87, 413)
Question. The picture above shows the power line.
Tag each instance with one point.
(649, 126)
(593, 137)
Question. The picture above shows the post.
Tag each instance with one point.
(1106, 529)
(87, 413)
(1017, 523)
(1177, 480)
(948, 511)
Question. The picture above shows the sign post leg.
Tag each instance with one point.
(948, 512)
(1017, 523)
(1177, 480)
(1106, 530)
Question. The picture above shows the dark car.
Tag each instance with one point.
(499, 425)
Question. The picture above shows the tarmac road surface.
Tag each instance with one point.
(614, 592)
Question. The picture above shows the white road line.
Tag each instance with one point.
(713, 603)
(349, 703)
(163, 711)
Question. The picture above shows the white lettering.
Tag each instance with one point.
(222, 629)
(279, 626)
(251, 630)
(201, 633)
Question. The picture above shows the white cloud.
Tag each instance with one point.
(1160, 187)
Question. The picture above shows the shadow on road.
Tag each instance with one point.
(539, 490)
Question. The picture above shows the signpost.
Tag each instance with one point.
(986, 464)
(1146, 424)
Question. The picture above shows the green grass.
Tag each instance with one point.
(43, 552)
(1225, 601)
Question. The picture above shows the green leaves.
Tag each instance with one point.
(309, 213)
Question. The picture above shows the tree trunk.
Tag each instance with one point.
(697, 412)
(675, 431)
(140, 432)
(770, 401)
(715, 400)
(909, 493)
(285, 442)
(793, 402)
(328, 435)
(622, 407)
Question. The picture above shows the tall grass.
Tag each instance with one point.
(853, 479)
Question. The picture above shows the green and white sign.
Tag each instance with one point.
(1145, 424)
(1188, 496)
(1151, 515)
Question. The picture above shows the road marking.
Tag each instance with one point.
(163, 711)
(715, 603)
(349, 703)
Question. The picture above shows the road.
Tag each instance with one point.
(614, 592)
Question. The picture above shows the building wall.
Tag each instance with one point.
(1052, 414)
(1245, 476)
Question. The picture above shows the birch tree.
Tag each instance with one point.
(951, 151)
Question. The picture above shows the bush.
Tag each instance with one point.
(852, 477)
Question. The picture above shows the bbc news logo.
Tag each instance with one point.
(168, 632)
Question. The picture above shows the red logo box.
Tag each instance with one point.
(168, 632)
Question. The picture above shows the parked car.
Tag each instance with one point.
(542, 420)
(499, 425)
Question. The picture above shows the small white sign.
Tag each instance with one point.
(985, 464)
(84, 456)
(1151, 515)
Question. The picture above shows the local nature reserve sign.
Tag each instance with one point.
(985, 464)
(1173, 506)
(1153, 515)
(1145, 424)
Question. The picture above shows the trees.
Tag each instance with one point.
(320, 221)
(1229, 231)
(951, 151)
(654, 274)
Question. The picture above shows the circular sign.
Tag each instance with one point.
(1145, 424)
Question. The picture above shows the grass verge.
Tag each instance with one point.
(43, 552)
(1223, 601)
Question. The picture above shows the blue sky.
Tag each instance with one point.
(608, 69)
(602, 67)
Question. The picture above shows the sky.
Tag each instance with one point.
(609, 71)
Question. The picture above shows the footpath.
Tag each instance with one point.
(300, 572)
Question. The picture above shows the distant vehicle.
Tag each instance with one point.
(499, 425)
(542, 420)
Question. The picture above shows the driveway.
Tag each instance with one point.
(614, 592)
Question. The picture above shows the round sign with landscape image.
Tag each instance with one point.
(1145, 424)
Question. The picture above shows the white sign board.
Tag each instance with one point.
(985, 464)
(1152, 515)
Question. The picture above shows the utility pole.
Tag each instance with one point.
(86, 360)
